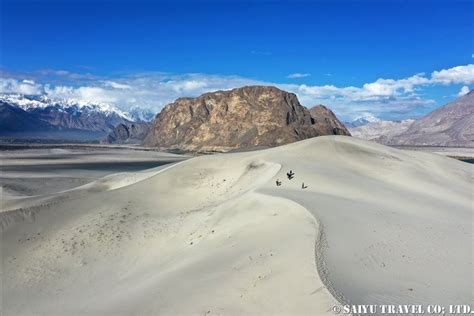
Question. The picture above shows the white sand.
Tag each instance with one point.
(214, 235)
(458, 152)
(41, 171)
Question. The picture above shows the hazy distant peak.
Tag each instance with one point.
(449, 125)
(362, 120)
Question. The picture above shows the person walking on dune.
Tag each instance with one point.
(290, 174)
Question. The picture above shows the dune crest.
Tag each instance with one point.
(216, 235)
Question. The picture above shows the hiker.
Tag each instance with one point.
(290, 174)
(278, 183)
(303, 186)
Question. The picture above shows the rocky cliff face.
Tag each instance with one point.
(253, 116)
(128, 133)
(326, 122)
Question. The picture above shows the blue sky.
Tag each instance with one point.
(197, 46)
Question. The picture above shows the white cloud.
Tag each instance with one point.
(381, 89)
(298, 75)
(387, 87)
(353, 102)
(146, 90)
(117, 85)
(95, 94)
(82, 94)
(64, 75)
(62, 92)
(464, 90)
(187, 85)
(154, 90)
(9, 85)
(455, 75)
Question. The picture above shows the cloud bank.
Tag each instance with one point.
(8, 85)
(455, 75)
(382, 98)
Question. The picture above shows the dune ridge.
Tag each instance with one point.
(16, 209)
(215, 235)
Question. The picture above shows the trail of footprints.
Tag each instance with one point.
(106, 232)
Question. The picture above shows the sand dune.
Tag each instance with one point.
(40, 170)
(215, 235)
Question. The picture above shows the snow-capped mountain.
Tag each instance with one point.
(361, 121)
(141, 115)
(63, 115)
(35, 102)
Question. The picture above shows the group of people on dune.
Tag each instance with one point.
(290, 175)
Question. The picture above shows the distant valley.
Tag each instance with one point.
(451, 125)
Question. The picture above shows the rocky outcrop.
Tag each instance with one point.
(247, 117)
(128, 133)
(326, 122)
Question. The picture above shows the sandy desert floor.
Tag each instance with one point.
(39, 171)
(215, 235)
(463, 153)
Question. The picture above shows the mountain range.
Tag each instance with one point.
(361, 121)
(41, 117)
(247, 117)
(451, 125)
